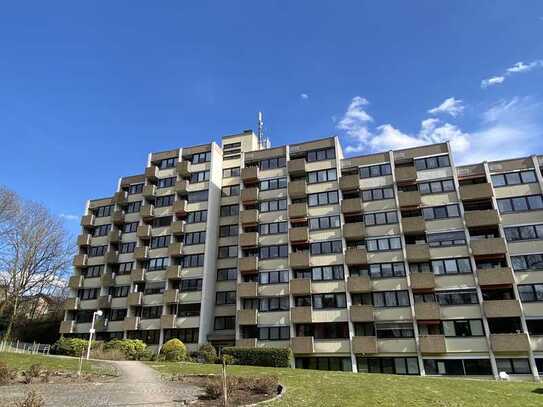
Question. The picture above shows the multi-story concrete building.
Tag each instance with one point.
(397, 262)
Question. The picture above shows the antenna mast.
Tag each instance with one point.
(263, 141)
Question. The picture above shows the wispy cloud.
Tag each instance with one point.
(495, 80)
(69, 217)
(304, 96)
(451, 106)
(519, 67)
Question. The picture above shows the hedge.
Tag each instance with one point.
(269, 357)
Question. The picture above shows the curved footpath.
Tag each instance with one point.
(137, 385)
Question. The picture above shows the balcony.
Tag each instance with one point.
(175, 249)
(249, 217)
(417, 252)
(247, 317)
(301, 315)
(135, 299)
(149, 191)
(488, 247)
(409, 199)
(84, 239)
(183, 169)
(510, 343)
(167, 321)
(151, 173)
(405, 174)
(147, 212)
(131, 323)
(118, 217)
(144, 232)
(297, 189)
(248, 289)
(248, 239)
(482, 218)
(137, 274)
(302, 344)
(497, 276)
(180, 207)
(87, 221)
(107, 280)
(475, 191)
(114, 236)
(174, 272)
(141, 253)
(297, 211)
(120, 197)
(298, 235)
(249, 195)
(364, 344)
(354, 231)
(300, 286)
(246, 343)
(501, 308)
(67, 327)
(249, 175)
(351, 206)
(424, 281)
(104, 301)
(75, 282)
(171, 296)
(427, 311)
(248, 265)
(359, 284)
(432, 344)
(71, 304)
(362, 313)
(413, 225)
(80, 260)
(349, 183)
(177, 228)
(297, 167)
(182, 187)
(298, 260)
(356, 256)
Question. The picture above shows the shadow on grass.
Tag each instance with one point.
(538, 390)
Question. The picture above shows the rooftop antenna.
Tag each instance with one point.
(263, 141)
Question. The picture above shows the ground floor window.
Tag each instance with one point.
(514, 366)
(457, 367)
(539, 364)
(388, 365)
(185, 335)
(107, 336)
(324, 363)
(150, 337)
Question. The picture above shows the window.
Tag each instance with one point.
(383, 243)
(513, 178)
(230, 210)
(520, 204)
(230, 172)
(133, 207)
(329, 247)
(271, 163)
(382, 299)
(377, 194)
(224, 323)
(273, 277)
(225, 297)
(195, 238)
(185, 310)
(166, 182)
(149, 336)
(93, 271)
(446, 239)
(201, 157)
(199, 176)
(380, 218)
(125, 268)
(325, 222)
(436, 187)
(154, 287)
(135, 189)
(432, 162)
(231, 145)
(163, 201)
(275, 183)
(329, 300)
(185, 335)
(441, 212)
(193, 260)
(161, 222)
(167, 163)
(386, 270)
(323, 198)
(271, 304)
(457, 367)
(327, 330)
(274, 333)
(227, 274)
(375, 171)
(315, 177)
(403, 366)
(320, 155)
(327, 273)
(102, 211)
(95, 251)
(153, 312)
(101, 230)
(158, 242)
(232, 190)
(117, 314)
(394, 330)
(457, 297)
(274, 228)
(451, 266)
(191, 284)
(228, 251)
(463, 327)
(228, 230)
(158, 263)
(529, 232)
(83, 316)
(131, 227)
(530, 292)
(514, 366)
(527, 262)
(272, 206)
(324, 363)
(197, 196)
(198, 216)
(273, 252)
(88, 293)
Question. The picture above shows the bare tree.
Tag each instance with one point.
(34, 255)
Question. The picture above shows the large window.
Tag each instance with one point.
(323, 198)
(274, 333)
(274, 205)
(225, 297)
(199, 176)
(520, 204)
(193, 260)
(463, 327)
(514, 366)
(102, 211)
(149, 336)
(382, 299)
(190, 284)
(527, 262)
(271, 163)
(315, 177)
(436, 187)
(457, 297)
(154, 287)
(228, 230)
(273, 277)
(125, 268)
(441, 212)
(131, 227)
(386, 270)
(403, 366)
(135, 189)
(93, 271)
(228, 251)
(432, 162)
(95, 251)
(158, 263)
(457, 367)
(375, 171)
(272, 252)
(133, 207)
(231, 190)
(167, 163)
(198, 216)
(163, 201)
(101, 230)
(153, 312)
(530, 292)
(201, 157)
(195, 238)
(158, 242)
(88, 293)
(327, 273)
(166, 182)
(270, 304)
(394, 330)
(197, 196)
(377, 194)
(273, 228)
(117, 314)
(513, 178)
(320, 155)
(185, 335)
(227, 274)
(161, 221)
(229, 210)
(225, 323)
(446, 239)
(529, 232)
(329, 300)
(383, 243)
(380, 218)
(325, 222)
(275, 183)
(451, 266)
(328, 247)
(327, 330)
(230, 172)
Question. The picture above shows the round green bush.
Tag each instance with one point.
(207, 353)
(174, 350)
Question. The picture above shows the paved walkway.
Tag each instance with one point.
(138, 385)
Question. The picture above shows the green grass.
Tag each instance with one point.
(21, 361)
(321, 388)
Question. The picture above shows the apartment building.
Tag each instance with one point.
(397, 262)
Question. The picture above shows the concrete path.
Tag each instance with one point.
(138, 385)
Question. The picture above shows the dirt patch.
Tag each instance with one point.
(34, 376)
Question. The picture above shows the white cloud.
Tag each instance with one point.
(495, 80)
(519, 67)
(69, 217)
(451, 106)
(522, 67)
(304, 96)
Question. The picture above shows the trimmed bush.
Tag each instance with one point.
(70, 346)
(269, 357)
(174, 349)
(207, 353)
(131, 348)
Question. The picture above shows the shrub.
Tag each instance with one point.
(213, 388)
(70, 346)
(174, 350)
(264, 384)
(131, 348)
(270, 357)
(207, 353)
(32, 399)
(6, 374)
(228, 359)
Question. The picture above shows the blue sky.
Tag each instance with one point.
(88, 88)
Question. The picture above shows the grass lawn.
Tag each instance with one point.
(321, 388)
(21, 361)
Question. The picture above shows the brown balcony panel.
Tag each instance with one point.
(249, 217)
(181, 187)
(147, 212)
(349, 182)
(301, 315)
(183, 169)
(71, 304)
(151, 173)
(482, 218)
(300, 286)
(501, 308)
(299, 260)
(178, 227)
(427, 311)
(120, 197)
(104, 301)
(413, 225)
(144, 232)
(131, 323)
(80, 260)
(362, 313)
(359, 284)
(118, 217)
(137, 274)
(149, 191)
(180, 207)
(175, 249)
(114, 236)
(87, 221)
(409, 199)
(249, 195)
(417, 252)
(497, 276)
(423, 281)
(297, 211)
(248, 289)
(167, 321)
(246, 343)
(296, 167)
(488, 247)
(67, 327)
(75, 282)
(141, 253)
(432, 344)
(510, 343)
(297, 189)
(354, 231)
(351, 206)
(171, 296)
(298, 235)
(249, 174)
(107, 280)
(135, 299)
(364, 344)
(248, 239)
(84, 239)
(405, 174)
(173, 272)
(476, 191)
(356, 256)
(248, 265)
(302, 344)
(247, 317)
